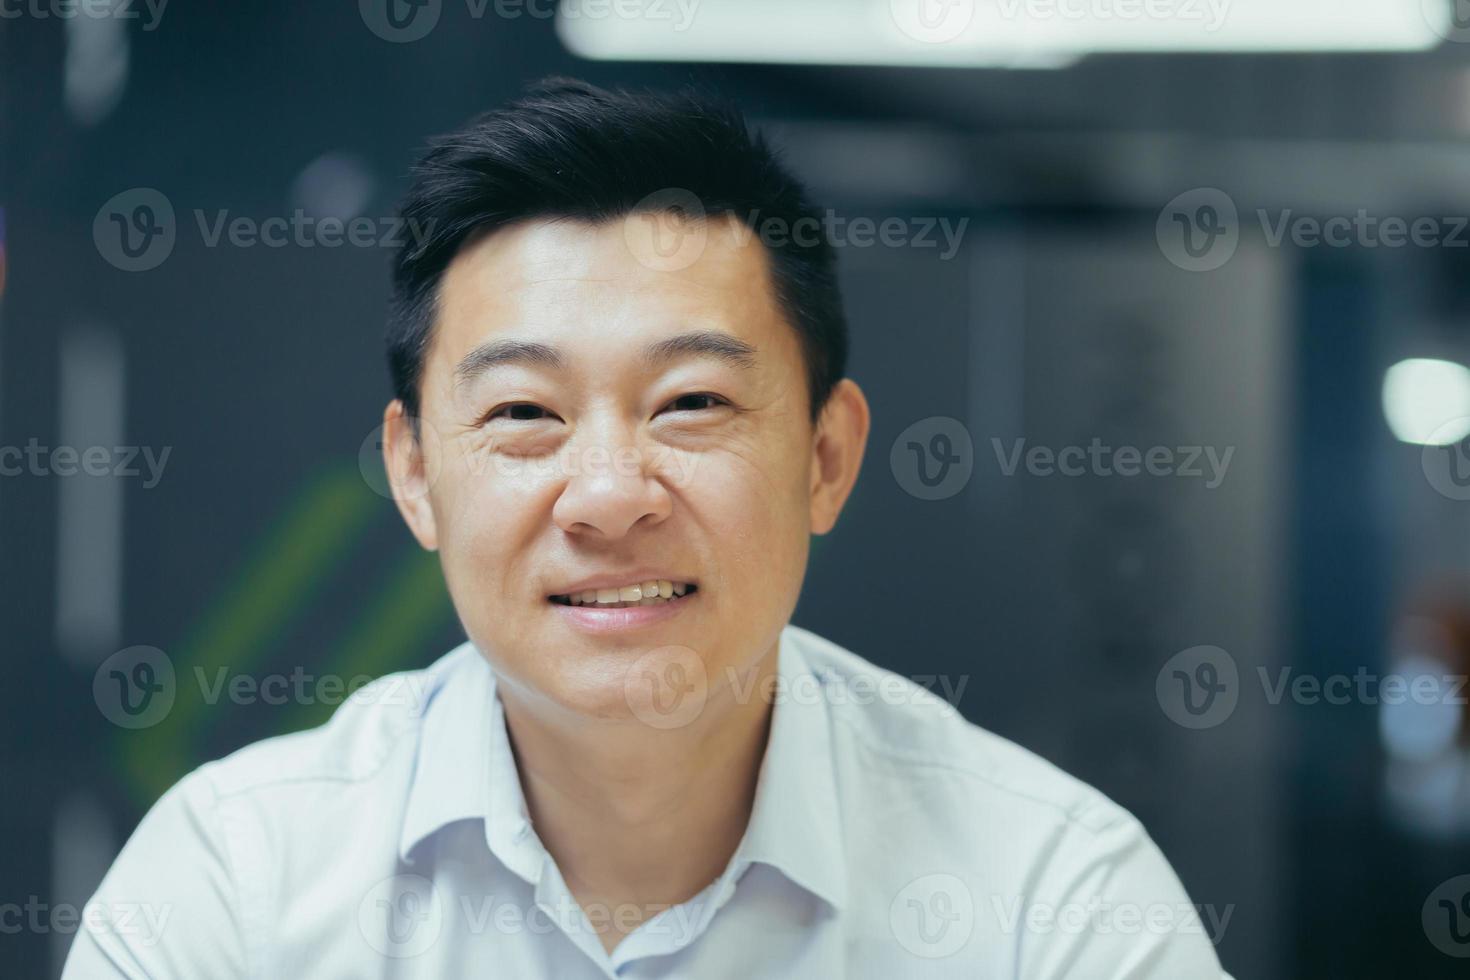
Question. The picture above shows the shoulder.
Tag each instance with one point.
(226, 851)
(290, 793)
(907, 731)
(1050, 874)
(374, 727)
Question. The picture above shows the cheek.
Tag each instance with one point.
(757, 519)
(483, 516)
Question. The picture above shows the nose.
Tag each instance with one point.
(610, 486)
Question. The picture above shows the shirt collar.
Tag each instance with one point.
(450, 771)
(796, 823)
(465, 770)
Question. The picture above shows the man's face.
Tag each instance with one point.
(603, 460)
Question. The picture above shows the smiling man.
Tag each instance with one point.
(620, 415)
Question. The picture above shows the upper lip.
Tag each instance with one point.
(613, 580)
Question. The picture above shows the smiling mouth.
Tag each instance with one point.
(651, 593)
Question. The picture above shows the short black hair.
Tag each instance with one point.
(567, 149)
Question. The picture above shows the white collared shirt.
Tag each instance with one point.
(889, 838)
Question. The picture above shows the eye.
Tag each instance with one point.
(517, 412)
(692, 402)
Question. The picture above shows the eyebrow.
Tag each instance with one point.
(696, 343)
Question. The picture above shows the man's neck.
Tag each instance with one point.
(639, 818)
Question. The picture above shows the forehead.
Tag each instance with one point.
(582, 283)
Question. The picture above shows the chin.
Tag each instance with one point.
(585, 684)
(653, 683)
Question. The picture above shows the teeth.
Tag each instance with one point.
(638, 594)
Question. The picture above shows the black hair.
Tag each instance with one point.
(566, 149)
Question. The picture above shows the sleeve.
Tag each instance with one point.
(1108, 906)
(168, 907)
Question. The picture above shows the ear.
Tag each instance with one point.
(410, 472)
(837, 452)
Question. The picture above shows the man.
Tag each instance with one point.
(620, 413)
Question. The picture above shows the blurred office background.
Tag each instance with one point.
(1136, 266)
